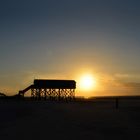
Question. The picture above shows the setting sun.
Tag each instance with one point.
(87, 82)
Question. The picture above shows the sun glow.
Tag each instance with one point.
(87, 82)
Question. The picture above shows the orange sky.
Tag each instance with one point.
(68, 39)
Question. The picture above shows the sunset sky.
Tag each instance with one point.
(65, 39)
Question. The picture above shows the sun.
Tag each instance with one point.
(87, 82)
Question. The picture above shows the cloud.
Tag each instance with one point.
(128, 77)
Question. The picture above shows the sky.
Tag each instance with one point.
(64, 39)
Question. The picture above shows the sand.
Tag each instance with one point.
(97, 120)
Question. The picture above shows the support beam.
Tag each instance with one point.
(58, 94)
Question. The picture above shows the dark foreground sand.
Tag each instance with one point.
(98, 120)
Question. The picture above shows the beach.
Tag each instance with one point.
(98, 119)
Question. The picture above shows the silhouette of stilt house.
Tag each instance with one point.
(51, 89)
